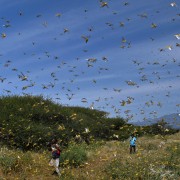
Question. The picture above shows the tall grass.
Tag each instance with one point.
(155, 159)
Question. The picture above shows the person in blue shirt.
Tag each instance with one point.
(132, 143)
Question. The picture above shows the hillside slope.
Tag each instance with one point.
(29, 122)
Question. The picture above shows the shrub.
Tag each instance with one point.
(14, 160)
(75, 155)
(8, 163)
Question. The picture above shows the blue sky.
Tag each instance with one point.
(124, 68)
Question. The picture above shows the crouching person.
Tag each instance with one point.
(55, 160)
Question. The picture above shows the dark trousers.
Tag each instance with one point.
(132, 149)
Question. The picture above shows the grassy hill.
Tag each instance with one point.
(29, 122)
(157, 158)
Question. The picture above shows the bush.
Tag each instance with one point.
(75, 155)
(14, 160)
(8, 163)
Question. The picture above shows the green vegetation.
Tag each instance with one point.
(29, 122)
(147, 163)
(101, 160)
(14, 160)
(93, 146)
(75, 155)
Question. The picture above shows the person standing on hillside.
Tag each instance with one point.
(55, 157)
(133, 143)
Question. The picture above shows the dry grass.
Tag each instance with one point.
(156, 158)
